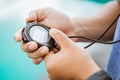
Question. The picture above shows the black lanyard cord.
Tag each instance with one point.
(98, 39)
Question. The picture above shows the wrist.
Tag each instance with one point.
(100, 75)
(78, 28)
(88, 72)
(81, 28)
(75, 30)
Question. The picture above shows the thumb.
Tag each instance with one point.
(32, 17)
(62, 40)
(49, 56)
(36, 15)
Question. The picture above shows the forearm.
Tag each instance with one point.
(96, 24)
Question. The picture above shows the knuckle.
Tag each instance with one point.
(31, 11)
(24, 47)
(29, 47)
(48, 8)
(35, 55)
(31, 55)
(51, 67)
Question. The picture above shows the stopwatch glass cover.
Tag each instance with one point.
(39, 34)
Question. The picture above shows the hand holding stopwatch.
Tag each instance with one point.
(38, 33)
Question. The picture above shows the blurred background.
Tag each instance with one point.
(14, 63)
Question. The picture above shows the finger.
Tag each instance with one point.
(37, 61)
(36, 15)
(62, 40)
(49, 56)
(55, 50)
(18, 35)
(31, 17)
(41, 14)
(29, 47)
(41, 52)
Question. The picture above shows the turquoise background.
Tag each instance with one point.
(99, 1)
(14, 63)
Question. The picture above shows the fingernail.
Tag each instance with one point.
(31, 46)
(43, 51)
(18, 37)
(53, 31)
(40, 59)
(32, 14)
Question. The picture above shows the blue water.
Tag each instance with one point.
(14, 63)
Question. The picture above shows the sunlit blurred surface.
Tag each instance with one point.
(14, 63)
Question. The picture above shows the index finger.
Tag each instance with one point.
(18, 35)
(36, 15)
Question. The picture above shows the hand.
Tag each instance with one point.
(71, 62)
(51, 18)
(32, 48)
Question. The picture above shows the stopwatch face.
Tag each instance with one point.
(39, 34)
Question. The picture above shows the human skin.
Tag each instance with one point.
(70, 62)
(91, 26)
